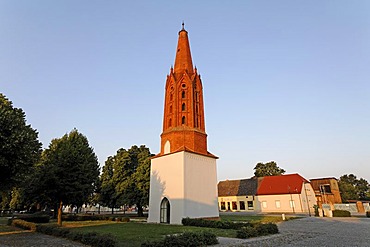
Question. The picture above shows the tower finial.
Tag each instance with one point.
(183, 25)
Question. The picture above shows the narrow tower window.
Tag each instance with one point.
(170, 122)
(171, 96)
(183, 107)
(183, 94)
(183, 120)
(170, 108)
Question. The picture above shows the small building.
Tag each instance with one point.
(272, 194)
(237, 195)
(326, 191)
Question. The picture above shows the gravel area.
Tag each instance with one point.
(313, 232)
(33, 239)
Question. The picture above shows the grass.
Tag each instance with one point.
(255, 218)
(133, 233)
(4, 227)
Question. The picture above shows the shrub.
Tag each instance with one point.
(341, 213)
(90, 238)
(247, 232)
(39, 217)
(368, 214)
(24, 224)
(266, 229)
(186, 239)
(215, 224)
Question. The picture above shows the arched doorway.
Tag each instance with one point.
(165, 211)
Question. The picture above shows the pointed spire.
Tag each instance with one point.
(183, 59)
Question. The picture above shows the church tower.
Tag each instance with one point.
(183, 180)
(183, 119)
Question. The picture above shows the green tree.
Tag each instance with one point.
(131, 177)
(108, 195)
(19, 146)
(68, 172)
(352, 188)
(268, 169)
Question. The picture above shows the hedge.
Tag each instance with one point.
(186, 239)
(75, 217)
(23, 224)
(215, 223)
(35, 218)
(341, 213)
(244, 229)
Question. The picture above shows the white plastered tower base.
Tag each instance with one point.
(187, 182)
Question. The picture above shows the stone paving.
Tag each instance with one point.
(313, 231)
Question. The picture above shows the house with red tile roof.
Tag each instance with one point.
(289, 193)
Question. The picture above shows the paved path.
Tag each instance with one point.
(313, 232)
(33, 239)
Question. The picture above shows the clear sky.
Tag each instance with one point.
(287, 81)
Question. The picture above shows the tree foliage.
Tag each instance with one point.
(268, 169)
(352, 188)
(19, 146)
(126, 178)
(67, 173)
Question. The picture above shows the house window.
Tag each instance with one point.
(250, 205)
(183, 107)
(235, 207)
(264, 204)
(223, 207)
(325, 189)
(228, 206)
(291, 202)
(277, 204)
(183, 120)
(242, 205)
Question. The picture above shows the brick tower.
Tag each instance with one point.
(183, 180)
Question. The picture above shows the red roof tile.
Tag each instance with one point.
(283, 184)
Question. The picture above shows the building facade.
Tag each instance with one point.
(272, 194)
(183, 180)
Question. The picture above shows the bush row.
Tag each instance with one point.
(85, 217)
(90, 238)
(186, 239)
(215, 223)
(35, 218)
(341, 213)
(22, 224)
(257, 230)
(368, 214)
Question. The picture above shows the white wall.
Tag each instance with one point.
(301, 201)
(188, 181)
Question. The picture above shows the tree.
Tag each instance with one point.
(19, 146)
(352, 188)
(68, 172)
(268, 169)
(128, 172)
(108, 195)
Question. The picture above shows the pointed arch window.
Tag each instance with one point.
(183, 120)
(183, 107)
(183, 94)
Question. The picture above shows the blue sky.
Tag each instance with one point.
(283, 80)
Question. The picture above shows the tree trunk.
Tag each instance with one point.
(112, 210)
(60, 213)
(140, 212)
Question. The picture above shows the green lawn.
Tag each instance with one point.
(133, 233)
(4, 227)
(255, 218)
